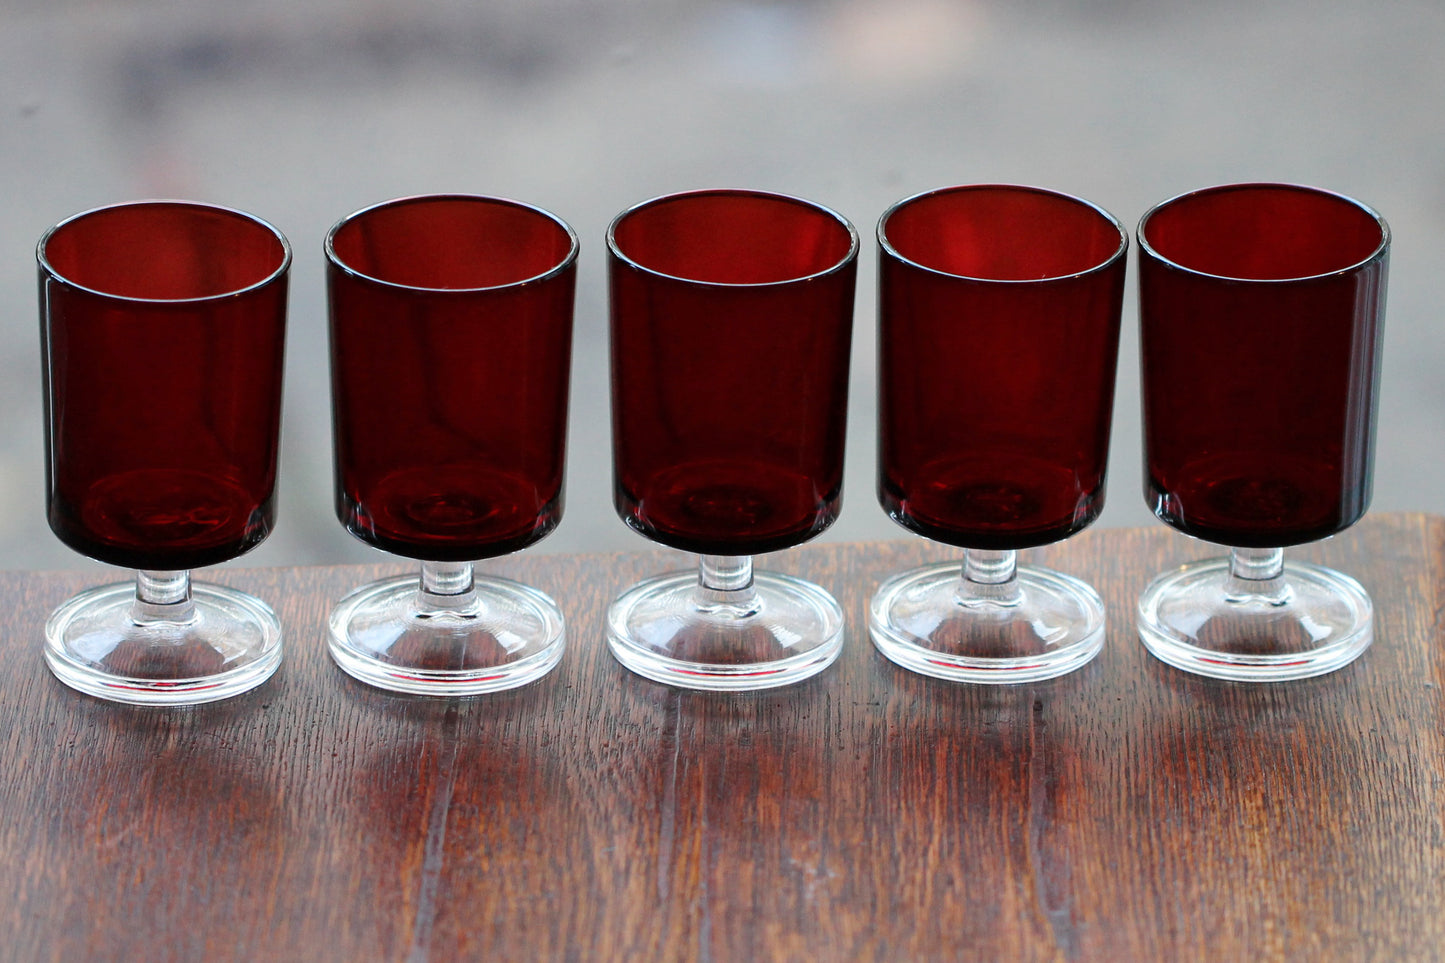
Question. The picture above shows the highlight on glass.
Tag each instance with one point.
(162, 335)
(1261, 309)
(731, 322)
(451, 334)
(998, 340)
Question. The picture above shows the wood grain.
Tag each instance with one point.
(1126, 812)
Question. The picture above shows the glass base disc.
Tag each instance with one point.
(670, 630)
(506, 635)
(231, 645)
(1322, 622)
(922, 621)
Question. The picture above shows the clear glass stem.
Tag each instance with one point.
(1257, 575)
(727, 581)
(446, 588)
(162, 597)
(989, 577)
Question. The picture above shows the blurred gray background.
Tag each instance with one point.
(304, 110)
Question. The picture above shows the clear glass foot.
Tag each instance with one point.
(725, 628)
(1255, 618)
(987, 621)
(446, 633)
(189, 644)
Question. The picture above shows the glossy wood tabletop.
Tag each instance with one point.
(1126, 812)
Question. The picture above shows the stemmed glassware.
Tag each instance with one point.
(451, 328)
(731, 315)
(998, 338)
(1260, 309)
(162, 334)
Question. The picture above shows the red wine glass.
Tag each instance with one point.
(998, 311)
(1260, 309)
(731, 315)
(451, 335)
(162, 329)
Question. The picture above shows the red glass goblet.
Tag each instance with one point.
(451, 334)
(1260, 309)
(162, 333)
(998, 339)
(731, 324)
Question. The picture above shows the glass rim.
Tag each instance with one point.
(1105, 264)
(574, 246)
(1376, 254)
(849, 257)
(55, 274)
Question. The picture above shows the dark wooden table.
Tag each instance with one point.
(1127, 812)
